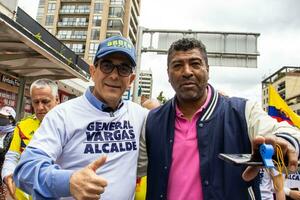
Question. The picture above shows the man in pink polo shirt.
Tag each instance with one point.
(183, 138)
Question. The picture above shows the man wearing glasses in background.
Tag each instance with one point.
(88, 146)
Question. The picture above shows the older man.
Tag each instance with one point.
(44, 96)
(91, 141)
(186, 134)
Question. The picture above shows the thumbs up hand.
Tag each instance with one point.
(85, 184)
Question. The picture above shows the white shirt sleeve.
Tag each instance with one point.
(11, 160)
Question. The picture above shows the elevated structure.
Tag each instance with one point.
(232, 49)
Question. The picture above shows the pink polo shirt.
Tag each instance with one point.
(184, 178)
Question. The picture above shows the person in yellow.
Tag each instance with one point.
(44, 96)
(141, 182)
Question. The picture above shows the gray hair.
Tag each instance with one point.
(44, 82)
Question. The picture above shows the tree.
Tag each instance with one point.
(161, 98)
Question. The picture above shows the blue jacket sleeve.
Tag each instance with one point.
(38, 175)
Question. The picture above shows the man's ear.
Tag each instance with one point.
(131, 79)
(92, 69)
(57, 99)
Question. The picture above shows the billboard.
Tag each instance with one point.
(223, 48)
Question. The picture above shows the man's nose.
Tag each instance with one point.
(187, 70)
(114, 74)
(40, 106)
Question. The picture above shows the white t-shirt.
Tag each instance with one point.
(76, 133)
(266, 185)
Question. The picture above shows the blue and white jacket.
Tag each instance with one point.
(227, 125)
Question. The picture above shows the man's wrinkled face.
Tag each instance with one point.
(43, 101)
(188, 74)
(110, 85)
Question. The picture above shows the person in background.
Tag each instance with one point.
(44, 96)
(141, 182)
(87, 147)
(7, 125)
(290, 190)
(183, 137)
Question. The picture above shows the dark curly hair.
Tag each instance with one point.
(186, 44)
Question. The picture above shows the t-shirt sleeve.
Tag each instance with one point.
(16, 141)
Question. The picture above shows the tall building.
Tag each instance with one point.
(145, 87)
(287, 83)
(81, 24)
(145, 83)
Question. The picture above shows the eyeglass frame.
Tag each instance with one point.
(99, 62)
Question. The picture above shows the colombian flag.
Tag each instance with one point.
(279, 110)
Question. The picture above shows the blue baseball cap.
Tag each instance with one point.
(116, 44)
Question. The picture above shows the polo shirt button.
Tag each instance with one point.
(161, 196)
(171, 140)
(165, 167)
(206, 183)
(201, 125)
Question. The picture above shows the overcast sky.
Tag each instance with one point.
(278, 22)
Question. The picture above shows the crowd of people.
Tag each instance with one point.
(97, 145)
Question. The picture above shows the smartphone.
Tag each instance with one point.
(245, 159)
(240, 159)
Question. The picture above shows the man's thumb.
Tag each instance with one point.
(97, 163)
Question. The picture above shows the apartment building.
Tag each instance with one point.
(145, 83)
(287, 83)
(81, 24)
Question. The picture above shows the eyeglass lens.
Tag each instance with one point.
(123, 69)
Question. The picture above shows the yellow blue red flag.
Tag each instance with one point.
(279, 110)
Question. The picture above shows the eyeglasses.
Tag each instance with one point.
(107, 67)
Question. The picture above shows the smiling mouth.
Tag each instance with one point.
(112, 86)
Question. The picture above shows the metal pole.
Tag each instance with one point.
(138, 64)
(20, 98)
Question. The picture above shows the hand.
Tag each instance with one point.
(295, 194)
(287, 150)
(10, 184)
(85, 184)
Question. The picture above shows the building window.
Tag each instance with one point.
(74, 21)
(281, 86)
(112, 34)
(51, 7)
(282, 95)
(93, 47)
(78, 48)
(97, 20)
(115, 12)
(116, 2)
(95, 34)
(98, 8)
(49, 20)
(115, 25)
(68, 8)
